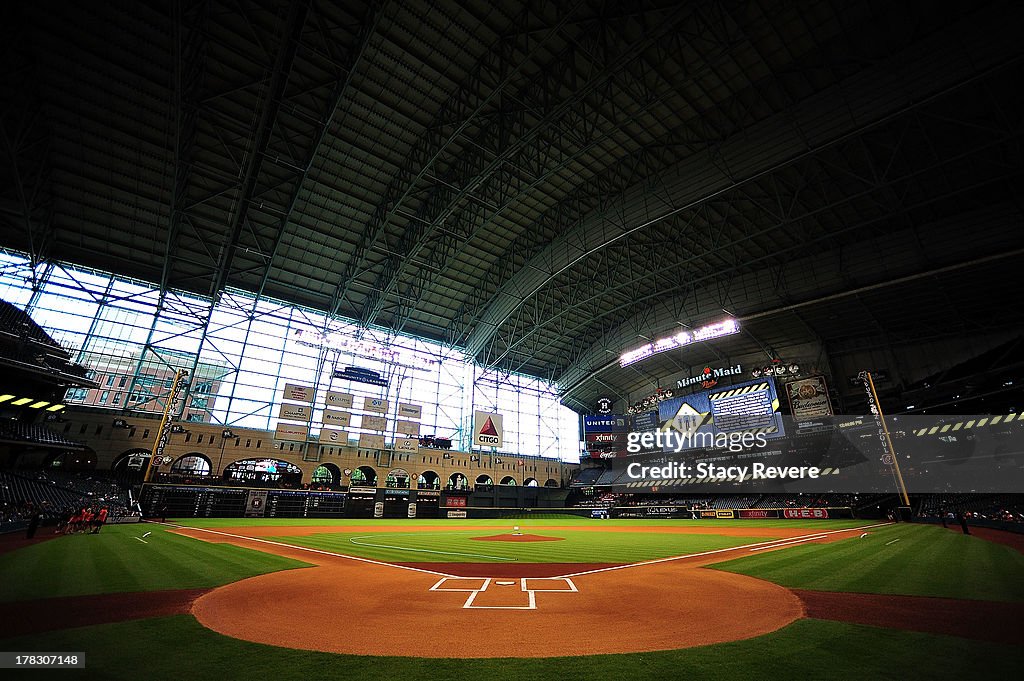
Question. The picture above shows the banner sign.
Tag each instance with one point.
(805, 513)
(709, 377)
(372, 491)
(367, 441)
(339, 400)
(256, 503)
(487, 429)
(373, 423)
(294, 412)
(337, 418)
(457, 514)
(456, 502)
(407, 444)
(645, 422)
(660, 510)
(333, 437)
(808, 398)
(758, 513)
(407, 427)
(724, 513)
(607, 438)
(708, 514)
(361, 376)
(298, 393)
(606, 424)
(378, 509)
(410, 411)
(291, 433)
(375, 404)
(427, 493)
(412, 509)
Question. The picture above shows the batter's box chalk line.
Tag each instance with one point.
(525, 594)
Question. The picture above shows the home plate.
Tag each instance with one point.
(504, 583)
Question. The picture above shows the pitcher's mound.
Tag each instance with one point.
(517, 537)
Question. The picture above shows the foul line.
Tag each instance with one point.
(709, 553)
(787, 543)
(404, 548)
(306, 548)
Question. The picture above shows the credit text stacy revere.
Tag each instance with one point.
(709, 471)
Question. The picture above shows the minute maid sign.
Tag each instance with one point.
(709, 377)
(487, 429)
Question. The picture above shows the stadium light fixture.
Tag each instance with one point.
(683, 338)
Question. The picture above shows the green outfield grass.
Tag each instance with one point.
(116, 561)
(180, 648)
(924, 561)
(913, 560)
(524, 523)
(430, 544)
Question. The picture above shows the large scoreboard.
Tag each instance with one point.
(751, 407)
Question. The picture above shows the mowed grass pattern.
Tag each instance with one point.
(575, 547)
(912, 560)
(115, 561)
(526, 524)
(180, 648)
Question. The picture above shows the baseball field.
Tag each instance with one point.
(553, 598)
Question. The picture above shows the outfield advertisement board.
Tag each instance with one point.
(606, 423)
(808, 398)
(375, 404)
(373, 423)
(329, 436)
(289, 432)
(410, 411)
(368, 441)
(336, 418)
(805, 513)
(407, 444)
(294, 412)
(488, 430)
(338, 400)
(298, 393)
(757, 513)
(407, 427)
(605, 435)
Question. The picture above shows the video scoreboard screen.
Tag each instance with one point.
(751, 407)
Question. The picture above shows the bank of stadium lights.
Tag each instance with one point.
(717, 330)
(16, 401)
